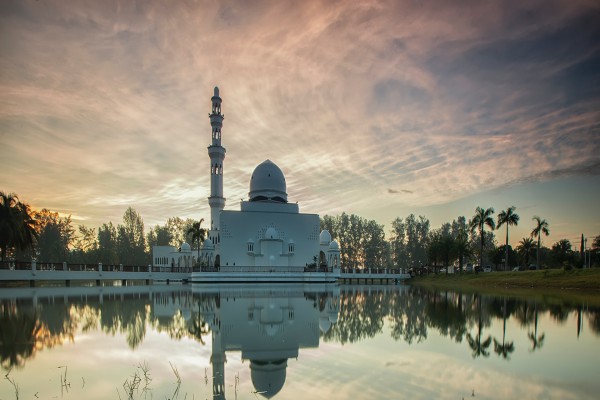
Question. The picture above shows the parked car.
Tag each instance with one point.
(487, 269)
(478, 268)
(516, 269)
(469, 268)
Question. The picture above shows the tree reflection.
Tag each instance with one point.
(17, 336)
(479, 347)
(409, 313)
(536, 341)
(503, 349)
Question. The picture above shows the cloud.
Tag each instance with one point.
(104, 105)
(394, 191)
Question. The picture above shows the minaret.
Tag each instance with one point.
(216, 152)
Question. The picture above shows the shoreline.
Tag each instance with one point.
(575, 285)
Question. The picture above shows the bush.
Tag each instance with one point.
(567, 266)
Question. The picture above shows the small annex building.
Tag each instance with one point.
(173, 258)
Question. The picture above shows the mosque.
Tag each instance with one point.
(267, 234)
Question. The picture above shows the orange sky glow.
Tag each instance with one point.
(378, 108)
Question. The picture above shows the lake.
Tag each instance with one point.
(294, 342)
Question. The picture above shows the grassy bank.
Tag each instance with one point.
(588, 279)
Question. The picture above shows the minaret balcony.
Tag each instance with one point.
(216, 151)
(216, 119)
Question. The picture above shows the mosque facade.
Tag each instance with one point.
(267, 232)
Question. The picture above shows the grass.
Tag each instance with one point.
(551, 278)
(550, 285)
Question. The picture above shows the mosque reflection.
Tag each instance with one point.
(268, 327)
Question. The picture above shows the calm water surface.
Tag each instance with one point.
(293, 342)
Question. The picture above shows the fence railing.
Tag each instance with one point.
(265, 269)
(372, 271)
(81, 267)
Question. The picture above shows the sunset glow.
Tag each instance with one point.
(378, 108)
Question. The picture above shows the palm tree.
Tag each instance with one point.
(462, 248)
(524, 248)
(507, 217)
(541, 227)
(478, 222)
(198, 234)
(17, 226)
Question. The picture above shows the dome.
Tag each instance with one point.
(267, 183)
(185, 247)
(271, 233)
(325, 237)
(334, 245)
(208, 244)
(324, 324)
(268, 377)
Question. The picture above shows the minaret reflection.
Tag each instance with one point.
(268, 326)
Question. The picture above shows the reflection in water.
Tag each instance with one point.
(268, 325)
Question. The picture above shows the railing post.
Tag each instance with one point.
(64, 265)
(33, 265)
(99, 267)
(121, 267)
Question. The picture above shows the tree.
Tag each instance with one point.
(198, 234)
(131, 242)
(107, 244)
(17, 226)
(480, 220)
(507, 217)
(524, 248)
(86, 245)
(55, 235)
(562, 252)
(540, 228)
(159, 236)
(397, 242)
(462, 249)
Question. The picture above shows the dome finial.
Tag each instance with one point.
(216, 91)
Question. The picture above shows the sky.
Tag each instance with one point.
(377, 108)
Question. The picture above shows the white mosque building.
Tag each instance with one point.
(268, 233)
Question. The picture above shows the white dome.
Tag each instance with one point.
(208, 244)
(325, 237)
(185, 247)
(268, 377)
(324, 324)
(271, 233)
(267, 183)
(334, 245)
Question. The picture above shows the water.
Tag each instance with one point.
(294, 342)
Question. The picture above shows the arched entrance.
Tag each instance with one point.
(322, 258)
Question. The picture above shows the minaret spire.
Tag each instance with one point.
(216, 152)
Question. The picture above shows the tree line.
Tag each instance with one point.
(49, 237)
